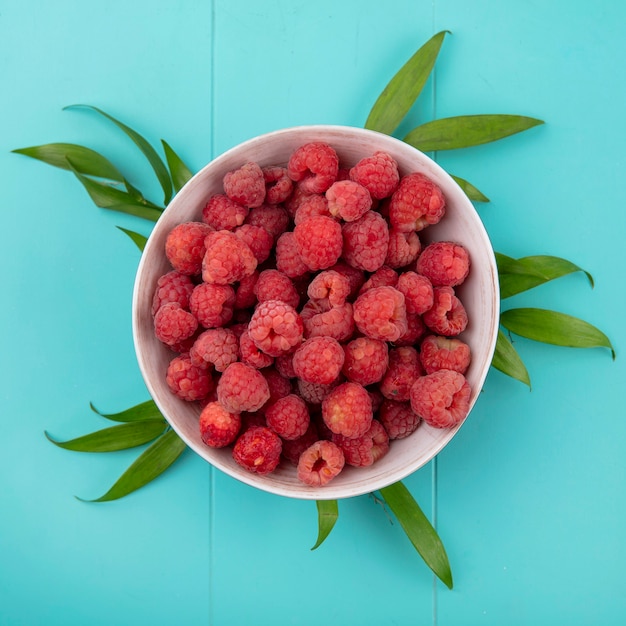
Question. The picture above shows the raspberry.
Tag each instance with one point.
(222, 213)
(248, 420)
(376, 397)
(275, 327)
(242, 388)
(447, 316)
(364, 450)
(398, 419)
(218, 347)
(257, 239)
(441, 399)
(218, 427)
(311, 206)
(187, 381)
(320, 463)
(382, 277)
(314, 166)
(298, 196)
(246, 185)
(284, 365)
(318, 360)
(355, 276)
(416, 329)
(404, 369)
(377, 173)
(348, 200)
(258, 450)
(437, 353)
(293, 448)
(278, 185)
(250, 353)
(418, 292)
(403, 248)
(318, 242)
(274, 219)
(244, 294)
(279, 385)
(288, 259)
(212, 305)
(347, 410)
(314, 393)
(336, 322)
(380, 313)
(366, 241)
(444, 263)
(288, 417)
(172, 287)
(366, 360)
(274, 285)
(185, 247)
(228, 259)
(172, 324)
(331, 287)
(416, 203)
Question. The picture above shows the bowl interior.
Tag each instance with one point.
(479, 294)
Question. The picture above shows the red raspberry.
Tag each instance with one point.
(293, 448)
(416, 329)
(185, 247)
(218, 347)
(378, 173)
(376, 398)
(336, 322)
(404, 369)
(366, 360)
(222, 213)
(403, 248)
(242, 388)
(444, 263)
(172, 287)
(366, 241)
(347, 410)
(320, 463)
(437, 353)
(318, 242)
(284, 365)
(314, 166)
(244, 294)
(313, 205)
(288, 259)
(212, 305)
(275, 327)
(288, 417)
(318, 360)
(227, 259)
(382, 277)
(418, 292)
(398, 419)
(250, 353)
(248, 420)
(348, 200)
(278, 185)
(274, 285)
(331, 287)
(257, 239)
(218, 427)
(274, 219)
(363, 451)
(298, 196)
(187, 381)
(416, 203)
(356, 277)
(258, 450)
(380, 313)
(442, 398)
(314, 393)
(172, 324)
(447, 315)
(279, 385)
(246, 185)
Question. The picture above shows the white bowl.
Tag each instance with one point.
(479, 294)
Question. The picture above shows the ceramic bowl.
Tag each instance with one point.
(479, 294)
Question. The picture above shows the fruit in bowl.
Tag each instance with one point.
(316, 311)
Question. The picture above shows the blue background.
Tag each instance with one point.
(529, 498)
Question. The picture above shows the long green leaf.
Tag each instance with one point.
(554, 328)
(327, 513)
(147, 410)
(85, 160)
(450, 133)
(148, 151)
(508, 361)
(179, 171)
(404, 88)
(419, 530)
(470, 191)
(148, 466)
(115, 438)
(138, 239)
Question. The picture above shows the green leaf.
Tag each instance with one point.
(467, 130)
(327, 513)
(85, 160)
(148, 466)
(145, 411)
(179, 171)
(115, 438)
(507, 360)
(554, 328)
(148, 151)
(470, 191)
(404, 88)
(139, 239)
(419, 530)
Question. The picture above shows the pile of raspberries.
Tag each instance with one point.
(306, 317)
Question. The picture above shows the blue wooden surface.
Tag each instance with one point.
(529, 498)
